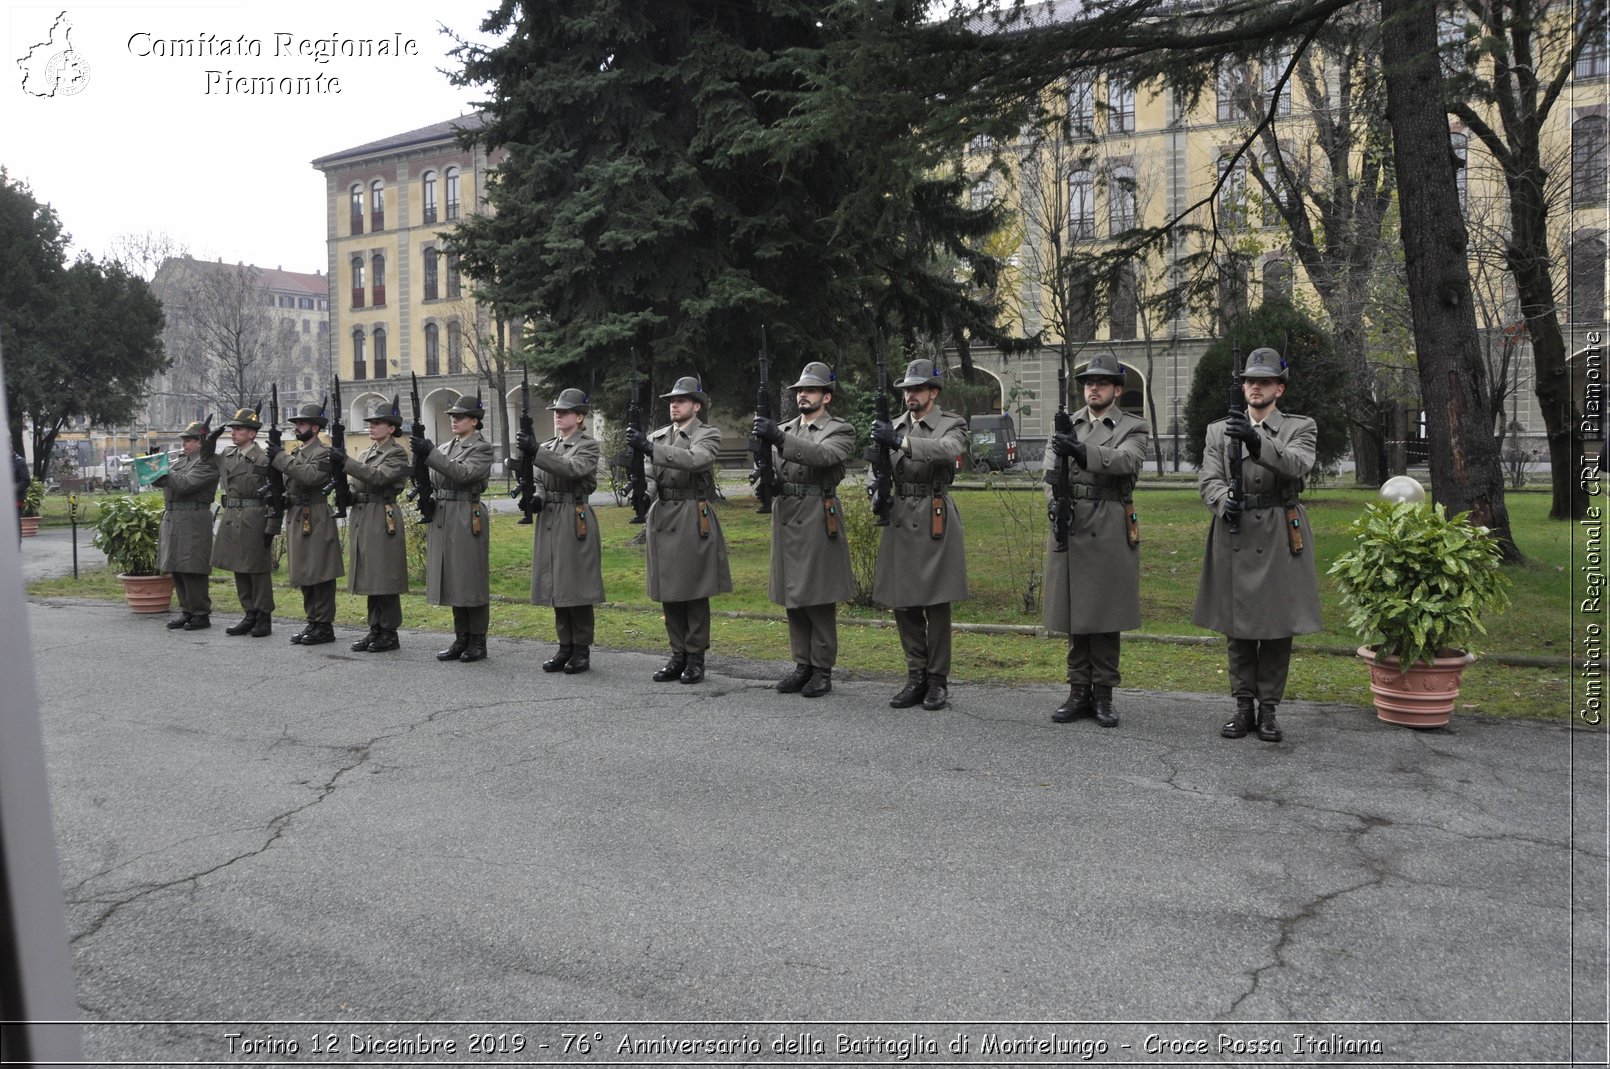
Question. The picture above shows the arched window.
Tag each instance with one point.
(356, 196)
(1120, 106)
(1587, 280)
(382, 368)
(455, 348)
(1082, 106)
(452, 193)
(427, 197)
(1270, 215)
(452, 275)
(978, 199)
(1588, 150)
(377, 205)
(1277, 280)
(360, 367)
(432, 259)
(357, 282)
(1082, 204)
(433, 350)
(1233, 192)
(1121, 199)
(1081, 310)
(378, 282)
(1123, 307)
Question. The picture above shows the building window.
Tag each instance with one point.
(357, 209)
(452, 275)
(455, 348)
(1120, 107)
(1232, 192)
(357, 282)
(1270, 214)
(1232, 291)
(1587, 280)
(378, 282)
(1232, 87)
(1121, 199)
(307, 326)
(981, 145)
(1594, 59)
(1588, 152)
(1277, 280)
(382, 369)
(1461, 168)
(1082, 107)
(377, 205)
(360, 367)
(978, 199)
(431, 258)
(304, 302)
(1123, 307)
(1082, 204)
(452, 193)
(1274, 65)
(433, 350)
(427, 198)
(1081, 310)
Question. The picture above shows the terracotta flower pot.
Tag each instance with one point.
(148, 593)
(30, 526)
(1423, 696)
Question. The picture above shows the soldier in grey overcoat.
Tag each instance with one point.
(1092, 582)
(687, 555)
(376, 533)
(458, 563)
(810, 550)
(312, 538)
(567, 569)
(242, 543)
(922, 559)
(1259, 586)
(185, 543)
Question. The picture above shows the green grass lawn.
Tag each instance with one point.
(1006, 541)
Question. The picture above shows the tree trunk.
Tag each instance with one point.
(1466, 473)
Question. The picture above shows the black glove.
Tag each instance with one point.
(639, 441)
(1239, 427)
(1067, 445)
(272, 450)
(527, 443)
(768, 431)
(1232, 510)
(421, 446)
(884, 434)
(214, 434)
(338, 460)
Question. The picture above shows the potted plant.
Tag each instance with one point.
(33, 506)
(1415, 586)
(127, 531)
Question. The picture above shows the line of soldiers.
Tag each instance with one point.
(1258, 585)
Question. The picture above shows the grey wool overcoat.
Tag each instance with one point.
(238, 544)
(914, 568)
(312, 538)
(1253, 585)
(1093, 587)
(809, 564)
(185, 542)
(376, 533)
(458, 558)
(566, 563)
(687, 554)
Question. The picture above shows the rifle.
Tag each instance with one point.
(1061, 505)
(525, 468)
(273, 489)
(765, 474)
(882, 489)
(421, 492)
(338, 440)
(1238, 404)
(637, 476)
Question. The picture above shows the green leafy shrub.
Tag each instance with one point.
(127, 530)
(33, 499)
(1417, 581)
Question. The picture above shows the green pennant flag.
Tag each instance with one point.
(147, 469)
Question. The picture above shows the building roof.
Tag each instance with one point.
(441, 131)
(273, 278)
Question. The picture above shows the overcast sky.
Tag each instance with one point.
(145, 139)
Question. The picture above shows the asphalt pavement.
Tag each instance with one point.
(272, 853)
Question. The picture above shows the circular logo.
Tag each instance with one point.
(66, 73)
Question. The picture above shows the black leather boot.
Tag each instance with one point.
(1076, 705)
(673, 668)
(910, 694)
(245, 625)
(363, 644)
(456, 650)
(820, 683)
(385, 641)
(178, 622)
(795, 680)
(581, 659)
(474, 650)
(1106, 715)
(937, 693)
(263, 626)
(304, 634)
(1241, 723)
(693, 671)
(320, 634)
(1268, 727)
(560, 658)
(199, 622)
